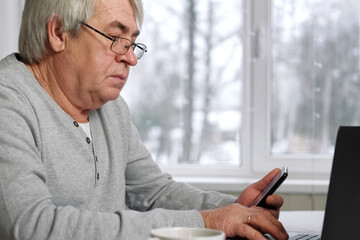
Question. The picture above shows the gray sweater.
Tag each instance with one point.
(57, 184)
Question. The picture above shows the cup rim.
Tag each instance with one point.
(157, 233)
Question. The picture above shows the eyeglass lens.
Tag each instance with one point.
(122, 45)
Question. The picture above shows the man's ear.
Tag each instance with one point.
(56, 34)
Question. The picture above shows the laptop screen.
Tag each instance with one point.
(342, 214)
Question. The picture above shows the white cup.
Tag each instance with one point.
(186, 233)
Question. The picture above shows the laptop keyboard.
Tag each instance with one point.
(301, 236)
(306, 237)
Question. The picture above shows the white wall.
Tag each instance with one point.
(10, 20)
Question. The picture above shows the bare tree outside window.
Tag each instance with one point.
(185, 94)
(315, 73)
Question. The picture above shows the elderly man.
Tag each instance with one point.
(72, 165)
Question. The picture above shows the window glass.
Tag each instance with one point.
(315, 85)
(185, 93)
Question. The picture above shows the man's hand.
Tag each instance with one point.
(250, 193)
(251, 223)
(239, 220)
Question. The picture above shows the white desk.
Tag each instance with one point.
(302, 221)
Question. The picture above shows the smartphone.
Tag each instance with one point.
(260, 200)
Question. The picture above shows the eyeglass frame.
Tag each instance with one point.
(114, 39)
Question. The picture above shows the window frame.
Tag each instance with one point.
(314, 166)
(255, 136)
(243, 172)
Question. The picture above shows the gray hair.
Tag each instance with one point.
(33, 39)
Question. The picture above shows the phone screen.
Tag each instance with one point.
(260, 200)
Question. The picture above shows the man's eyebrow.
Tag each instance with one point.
(124, 28)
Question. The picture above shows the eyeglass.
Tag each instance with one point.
(121, 45)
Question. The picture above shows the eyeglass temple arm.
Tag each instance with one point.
(97, 31)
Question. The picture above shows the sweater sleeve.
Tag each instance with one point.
(148, 188)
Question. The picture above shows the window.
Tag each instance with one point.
(307, 81)
(315, 63)
(186, 93)
(270, 83)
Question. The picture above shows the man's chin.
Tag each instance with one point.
(112, 95)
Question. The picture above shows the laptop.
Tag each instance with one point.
(342, 213)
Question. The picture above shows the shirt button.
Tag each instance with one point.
(76, 124)
(88, 140)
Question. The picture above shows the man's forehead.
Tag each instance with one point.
(124, 28)
(106, 5)
(117, 14)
